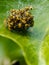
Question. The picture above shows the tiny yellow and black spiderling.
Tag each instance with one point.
(20, 19)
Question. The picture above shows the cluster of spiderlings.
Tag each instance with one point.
(20, 19)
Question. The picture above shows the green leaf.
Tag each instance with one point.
(10, 52)
(45, 50)
(30, 41)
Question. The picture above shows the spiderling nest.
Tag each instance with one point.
(20, 19)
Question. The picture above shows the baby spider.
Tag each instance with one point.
(20, 19)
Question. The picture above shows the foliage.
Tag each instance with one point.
(28, 46)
